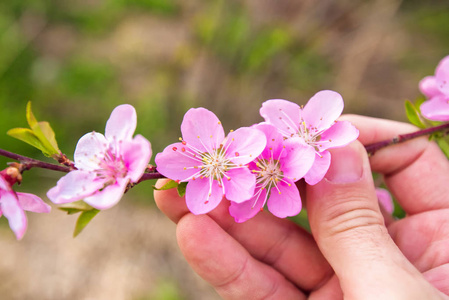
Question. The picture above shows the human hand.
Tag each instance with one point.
(355, 254)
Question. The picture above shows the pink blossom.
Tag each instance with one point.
(385, 200)
(277, 168)
(105, 164)
(13, 204)
(436, 89)
(314, 125)
(212, 164)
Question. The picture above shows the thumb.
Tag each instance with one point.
(349, 229)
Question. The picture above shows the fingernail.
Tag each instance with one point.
(346, 164)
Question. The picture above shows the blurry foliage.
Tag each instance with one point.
(166, 290)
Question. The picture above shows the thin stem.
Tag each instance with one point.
(150, 176)
(29, 162)
(372, 148)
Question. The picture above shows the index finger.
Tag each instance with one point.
(416, 172)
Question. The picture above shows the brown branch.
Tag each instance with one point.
(372, 148)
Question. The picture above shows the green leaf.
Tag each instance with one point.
(444, 146)
(169, 185)
(75, 207)
(40, 134)
(27, 135)
(30, 116)
(182, 189)
(413, 114)
(84, 219)
(43, 131)
(70, 211)
(49, 134)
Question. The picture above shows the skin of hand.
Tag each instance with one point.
(354, 251)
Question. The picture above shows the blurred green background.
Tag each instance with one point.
(77, 60)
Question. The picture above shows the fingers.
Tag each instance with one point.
(169, 202)
(438, 278)
(349, 229)
(416, 172)
(423, 239)
(226, 265)
(276, 242)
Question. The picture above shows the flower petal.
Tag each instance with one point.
(202, 196)
(338, 135)
(442, 76)
(298, 161)
(89, 149)
(286, 202)
(428, 86)
(385, 199)
(436, 109)
(14, 213)
(244, 145)
(275, 141)
(202, 130)
(248, 209)
(323, 109)
(319, 168)
(32, 203)
(136, 155)
(282, 114)
(109, 196)
(178, 164)
(241, 185)
(74, 186)
(122, 123)
(4, 185)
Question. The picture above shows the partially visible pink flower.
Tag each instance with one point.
(105, 163)
(12, 206)
(277, 168)
(436, 89)
(314, 125)
(212, 164)
(385, 200)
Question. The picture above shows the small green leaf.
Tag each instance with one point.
(39, 135)
(84, 219)
(69, 210)
(169, 185)
(43, 132)
(413, 114)
(27, 135)
(182, 189)
(444, 146)
(74, 207)
(49, 134)
(30, 116)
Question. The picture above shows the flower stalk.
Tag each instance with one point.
(374, 147)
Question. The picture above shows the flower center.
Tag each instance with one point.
(268, 174)
(215, 164)
(309, 134)
(111, 167)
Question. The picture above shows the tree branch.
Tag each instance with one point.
(372, 148)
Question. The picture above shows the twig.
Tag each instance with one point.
(29, 162)
(372, 148)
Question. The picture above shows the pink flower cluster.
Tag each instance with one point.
(260, 164)
(436, 89)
